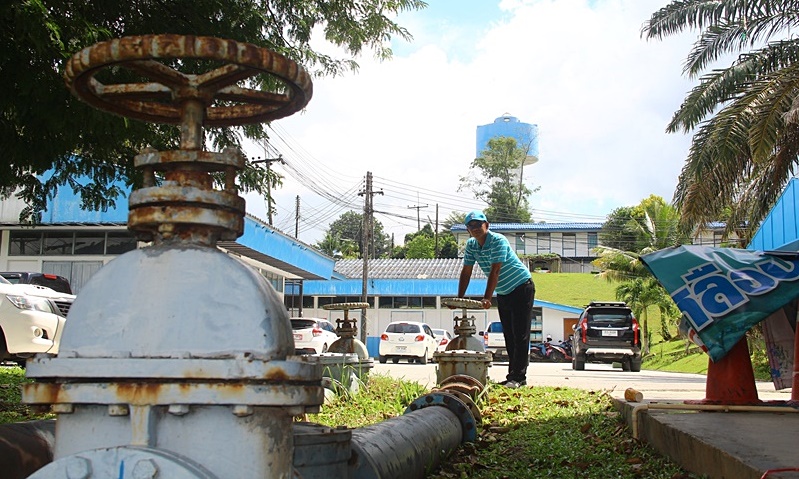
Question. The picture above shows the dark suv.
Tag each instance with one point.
(52, 281)
(607, 332)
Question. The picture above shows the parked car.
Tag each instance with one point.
(607, 332)
(52, 281)
(312, 335)
(443, 337)
(410, 340)
(494, 340)
(32, 320)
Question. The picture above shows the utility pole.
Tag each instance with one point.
(268, 161)
(297, 219)
(418, 220)
(366, 234)
(436, 233)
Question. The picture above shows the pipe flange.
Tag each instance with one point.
(455, 405)
(466, 398)
(209, 161)
(124, 461)
(463, 379)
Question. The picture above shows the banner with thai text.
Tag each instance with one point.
(723, 292)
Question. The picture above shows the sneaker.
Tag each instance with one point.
(513, 384)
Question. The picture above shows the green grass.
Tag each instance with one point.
(572, 289)
(11, 409)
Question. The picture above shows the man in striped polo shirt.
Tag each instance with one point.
(510, 279)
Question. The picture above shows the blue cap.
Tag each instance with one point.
(475, 215)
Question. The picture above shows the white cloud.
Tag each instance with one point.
(599, 93)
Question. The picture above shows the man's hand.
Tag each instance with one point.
(486, 303)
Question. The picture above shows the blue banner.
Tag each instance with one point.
(723, 292)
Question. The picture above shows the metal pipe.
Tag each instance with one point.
(26, 447)
(405, 447)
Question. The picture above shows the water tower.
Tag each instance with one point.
(526, 136)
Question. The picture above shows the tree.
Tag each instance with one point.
(422, 244)
(494, 178)
(44, 128)
(349, 227)
(642, 292)
(654, 225)
(746, 146)
(617, 232)
(338, 248)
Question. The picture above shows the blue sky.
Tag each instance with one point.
(599, 93)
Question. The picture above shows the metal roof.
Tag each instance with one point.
(259, 242)
(263, 243)
(443, 268)
(537, 227)
(780, 228)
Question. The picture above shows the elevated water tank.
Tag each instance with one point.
(526, 135)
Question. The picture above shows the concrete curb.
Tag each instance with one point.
(720, 445)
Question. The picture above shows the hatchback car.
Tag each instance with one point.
(607, 332)
(443, 337)
(312, 335)
(32, 320)
(410, 340)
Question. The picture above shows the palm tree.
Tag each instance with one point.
(640, 294)
(656, 225)
(746, 146)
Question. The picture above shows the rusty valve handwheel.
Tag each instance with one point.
(162, 99)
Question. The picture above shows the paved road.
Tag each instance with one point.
(653, 385)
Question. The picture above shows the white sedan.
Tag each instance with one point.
(410, 340)
(443, 337)
(312, 335)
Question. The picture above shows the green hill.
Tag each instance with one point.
(572, 289)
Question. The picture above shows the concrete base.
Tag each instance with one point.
(721, 445)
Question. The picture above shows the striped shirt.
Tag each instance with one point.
(496, 249)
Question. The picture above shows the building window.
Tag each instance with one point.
(569, 244)
(25, 243)
(89, 243)
(593, 242)
(307, 302)
(429, 302)
(119, 242)
(67, 243)
(56, 243)
(543, 243)
(520, 243)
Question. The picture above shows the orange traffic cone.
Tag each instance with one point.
(731, 380)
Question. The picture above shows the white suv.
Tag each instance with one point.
(31, 320)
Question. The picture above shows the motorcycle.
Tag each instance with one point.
(547, 351)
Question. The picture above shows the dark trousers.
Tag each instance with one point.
(516, 314)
